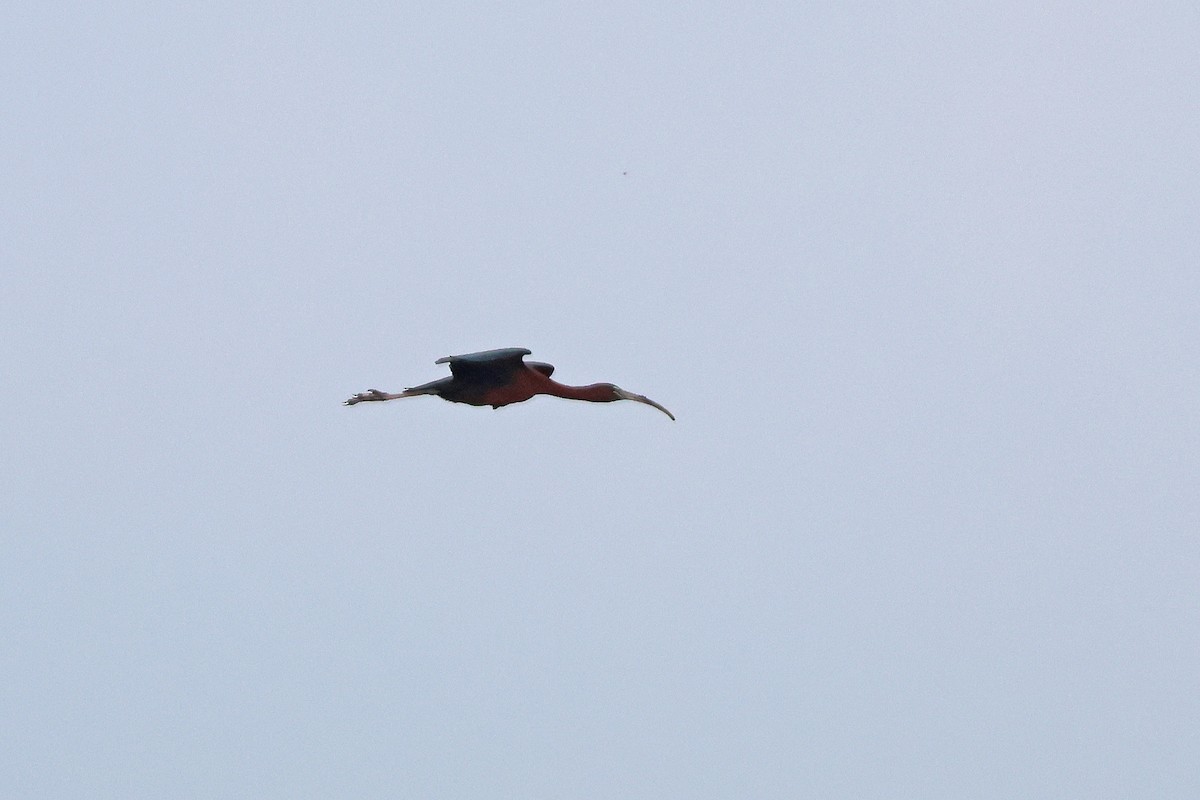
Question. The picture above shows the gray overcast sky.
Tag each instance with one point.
(920, 281)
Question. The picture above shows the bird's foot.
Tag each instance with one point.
(370, 394)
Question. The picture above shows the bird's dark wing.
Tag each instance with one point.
(542, 367)
(487, 366)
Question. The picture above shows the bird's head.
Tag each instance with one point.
(621, 394)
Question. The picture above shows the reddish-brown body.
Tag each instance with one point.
(527, 382)
(502, 377)
(523, 385)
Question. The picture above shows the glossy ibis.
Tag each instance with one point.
(499, 377)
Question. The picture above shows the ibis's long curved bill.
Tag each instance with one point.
(641, 398)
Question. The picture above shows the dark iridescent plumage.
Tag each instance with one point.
(500, 377)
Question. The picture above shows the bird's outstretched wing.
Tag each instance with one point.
(487, 366)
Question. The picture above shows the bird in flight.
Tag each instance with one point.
(500, 377)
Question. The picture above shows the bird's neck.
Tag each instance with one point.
(593, 393)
